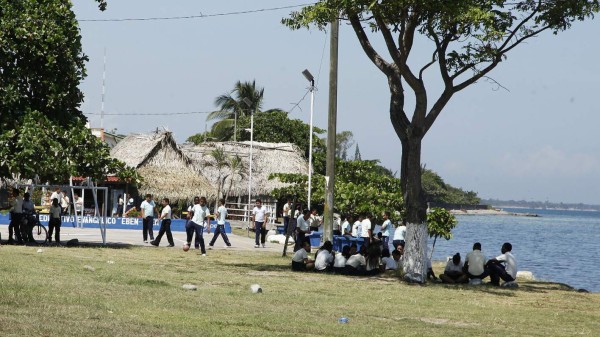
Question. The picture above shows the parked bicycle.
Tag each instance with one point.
(32, 230)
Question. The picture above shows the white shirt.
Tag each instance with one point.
(259, 213)
(389, 262)
(345, 228)
(64, 203)
(451, 267)
(302, 224)
(78, 204)
(57, 196)
(476, 261)
(300, 255)
(355, 228)
(510, 263)
(324, 258)
(222, 210)
(356, 260)
(166, 212)
(200, 212)
(400, 233)
(336, 224)
(287, 210)
(148, 208)
(365, 227)
(18, 205)
(339, 261)
(386, 228)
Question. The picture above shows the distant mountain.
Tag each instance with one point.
(539, 204)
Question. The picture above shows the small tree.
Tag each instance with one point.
(440, 223)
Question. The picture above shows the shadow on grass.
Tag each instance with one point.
(78, 244)
(260, 267)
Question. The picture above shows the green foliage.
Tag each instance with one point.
(440, 223)
(359, 188)
(436, 190)
(42, 131)
(343, 142)
(199, 138)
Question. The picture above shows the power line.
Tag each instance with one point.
(200, 16)
(151, 114)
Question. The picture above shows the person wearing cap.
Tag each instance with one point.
(453, 273)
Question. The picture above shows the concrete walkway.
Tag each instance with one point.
(128, 237)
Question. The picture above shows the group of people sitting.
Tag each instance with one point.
(369, 260)
(475, 267)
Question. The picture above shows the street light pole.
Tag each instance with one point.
(311, 79)
(249, 104)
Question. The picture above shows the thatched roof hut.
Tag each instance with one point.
(267, 158)
(166, 170)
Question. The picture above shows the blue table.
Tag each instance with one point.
(339, 241)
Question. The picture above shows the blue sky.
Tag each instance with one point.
(536, 141)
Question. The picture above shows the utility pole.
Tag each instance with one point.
(331, 130)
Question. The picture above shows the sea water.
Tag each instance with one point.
(559, 245)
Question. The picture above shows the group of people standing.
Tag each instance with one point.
(24, 217)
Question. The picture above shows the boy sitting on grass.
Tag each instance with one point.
(300, 261)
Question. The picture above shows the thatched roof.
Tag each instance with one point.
(167, 171)
(267, 158)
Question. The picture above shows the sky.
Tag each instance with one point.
(535, 138)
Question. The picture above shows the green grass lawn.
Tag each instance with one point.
(140, 294)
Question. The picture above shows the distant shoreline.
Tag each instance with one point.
(490, 212)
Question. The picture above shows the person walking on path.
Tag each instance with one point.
(148, 207)
(165, 225)
(259, 219)
(221, 215)
(200, 213)
(55, 222)
(287, 211)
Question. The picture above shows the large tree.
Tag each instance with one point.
(468, 39)
(42, 130)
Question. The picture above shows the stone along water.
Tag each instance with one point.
(560, 245)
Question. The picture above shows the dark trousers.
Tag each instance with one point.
(165, 227)
(286, 224)
(497, 272)
(191, 228)
(260, 230)
(54, 224)
(300, 237)
(15, 224)
(147, 224)
(397, 243)
(220, 230)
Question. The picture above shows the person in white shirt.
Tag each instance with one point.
(221, 214)
(453, 273)
(324, 259)
(356, 228)
(503, 266)
(199, 221)
(315, 220)
(148, 207)
(388, 262)
(16, 213)
(339, 262)
(346, 228)
(366, 230)
(356, 263)
(165, 224)
(475, 262)
(78, 204)
(302, 228)
(54, 222)
(387, 230)
(399, 235)
(65, 203)
(119, 205)
(300, 260)
(259, 221)
(287, 212)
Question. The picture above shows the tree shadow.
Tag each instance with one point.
(260, 267)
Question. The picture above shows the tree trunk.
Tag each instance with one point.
(415, 259)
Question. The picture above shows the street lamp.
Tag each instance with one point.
(249, 104)
(310, 79)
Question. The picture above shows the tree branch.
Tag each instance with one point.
(379, 62)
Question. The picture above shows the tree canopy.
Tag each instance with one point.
(42, 130)
(467, 40)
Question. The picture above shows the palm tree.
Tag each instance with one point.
(231, 106)
(227, 167)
